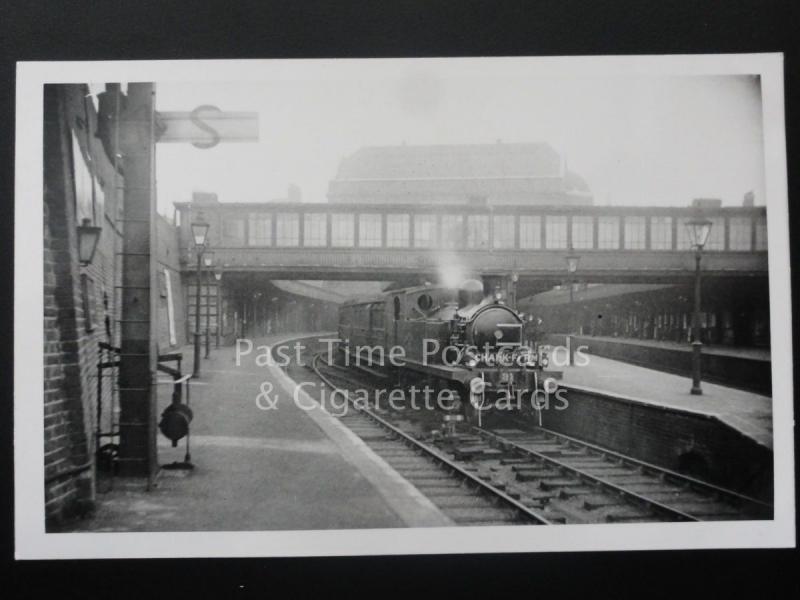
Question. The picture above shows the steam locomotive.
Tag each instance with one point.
(459, 339)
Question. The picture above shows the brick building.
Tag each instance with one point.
(83, 185)
(481, 174)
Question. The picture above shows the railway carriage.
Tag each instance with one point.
(447, 338)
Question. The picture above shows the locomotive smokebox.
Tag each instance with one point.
(470, 293)
(175, 421)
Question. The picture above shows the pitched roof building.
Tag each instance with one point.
(457, 174)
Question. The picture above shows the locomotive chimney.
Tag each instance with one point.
(470, 293)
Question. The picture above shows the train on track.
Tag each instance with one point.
(458, 339)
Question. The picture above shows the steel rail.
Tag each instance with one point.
(658, 507)
(482, 486)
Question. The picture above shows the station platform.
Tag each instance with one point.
(744, 368)
(749, 353)
(747, 412)
(284, 468)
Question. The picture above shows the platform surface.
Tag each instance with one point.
(749, 353)
(255, 469)
(749, 413)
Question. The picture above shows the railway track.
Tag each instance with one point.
(456, 491)
(528, 474)
(551, 461)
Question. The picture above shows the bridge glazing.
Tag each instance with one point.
(614, 242)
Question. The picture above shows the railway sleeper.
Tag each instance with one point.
(436, 491)
(628, 515)
(537, 475)
(459, 501)
(474, 514)
(594, 502)
(624, 479)
(706, 510)
(411, 472)
(608, 471)
(510, 433)
(679, 495)
(601, 467)
(437, 477)
(554, 484)
(562, 453)
(519, 460)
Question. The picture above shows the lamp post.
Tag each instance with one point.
(572, 267)
(208, 261)
(218, 277)
(199, 233)
(698, 230)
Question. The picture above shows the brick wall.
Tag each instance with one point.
(68, 485)
(81, 306)
(82, 303)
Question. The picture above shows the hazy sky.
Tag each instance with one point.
(637, 140)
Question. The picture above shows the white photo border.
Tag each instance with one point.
(32, 542)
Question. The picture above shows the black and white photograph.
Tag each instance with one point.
(394, 306)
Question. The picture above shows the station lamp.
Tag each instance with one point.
(572, 266)
(218, 274)
(88, 237)
(208, 258)
(698, 230)
(572, 261)
(199, 231)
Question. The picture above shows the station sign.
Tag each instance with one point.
(206, 126)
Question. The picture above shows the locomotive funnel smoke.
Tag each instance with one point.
(450, 271)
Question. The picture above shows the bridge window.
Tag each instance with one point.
(233, 232)
(740, 235)
(260, 229)
(452, 231)
(661, 233)
(315, 229)
(397, 231)
(582, 232)
(635, 233)
(369, 230)
(424, 231)
(343, 231)
(608, 233)
(555, 232)
(530, 232)
(716, 237)
(504, 234)
(761, 233)
(478, 231)
(287, 229)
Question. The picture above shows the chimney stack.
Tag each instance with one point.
(204, 198)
